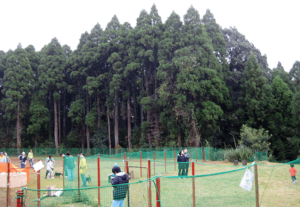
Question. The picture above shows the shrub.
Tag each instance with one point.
(241, 153)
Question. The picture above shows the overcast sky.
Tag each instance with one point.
(272, 26)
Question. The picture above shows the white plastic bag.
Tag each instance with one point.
(58, 193)
(247, 181)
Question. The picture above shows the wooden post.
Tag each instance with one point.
(154, 161)
(204, 155)
(174, 161)
(165, 162)
(127, 171)
(46, 152)
(149, 182)
(125, 156)
(256, 185)
(99, 181)
(193, 180)
(158, 192)
(141, 164)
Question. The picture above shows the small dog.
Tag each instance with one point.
(57, 174)
(89, 179)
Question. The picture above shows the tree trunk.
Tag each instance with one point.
(99, 112)
(116, 132)
(87, 127)
(64, 115)
(59, 125)
(108, 129)
(148, 116)
(129, 122)
(179, 137)
(156, 112)
(18, 128)
(55, 127)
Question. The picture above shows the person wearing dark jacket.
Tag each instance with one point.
(181, 164)
(23, 160)
(119, 193)
(187, 160)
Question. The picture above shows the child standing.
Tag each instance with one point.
(293, 172)
(50, 166)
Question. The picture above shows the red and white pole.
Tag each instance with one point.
(158, 192)
(19, 198)
(193, 173)
(8, 183)
(39, 186)
(99, 181)
(78, 176)
(149, 182)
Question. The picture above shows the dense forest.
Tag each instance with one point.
(178, 83)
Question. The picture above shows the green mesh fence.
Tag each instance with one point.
(203, 190)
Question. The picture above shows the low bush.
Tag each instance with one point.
(241, 153)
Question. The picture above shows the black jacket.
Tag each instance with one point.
(181, 158)
(120, 190)
(23, 159)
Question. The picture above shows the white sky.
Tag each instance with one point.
(272, 26)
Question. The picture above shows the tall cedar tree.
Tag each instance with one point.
(280, 120)
(51, 77)
(18, 84)
(256, 95)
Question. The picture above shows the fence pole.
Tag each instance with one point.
(204, 155)
(149, 182)
(196, 154)
(256, 185)
(158, 192)
(99, 181)
(78, 177)
(165, 162)
(95, 150)
(127, 171)
(13, 151)
(39, 186)
(154, 161)
(46, 152)
(193, 173)
(7, 186)
(35, 151)
(174, 162)
(141, 164)
(19, 198)
(124, 155)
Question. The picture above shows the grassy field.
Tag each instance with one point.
(275, 185)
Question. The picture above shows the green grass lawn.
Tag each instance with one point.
(275, 186)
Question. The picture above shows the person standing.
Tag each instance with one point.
(65, 167)
(181, 164)
(50, 166)
(83, 169)
(7, 157)
(30, 157)
(23, 160)
(2, 157)
(119, 192)
(71, 165)
(187, 162)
